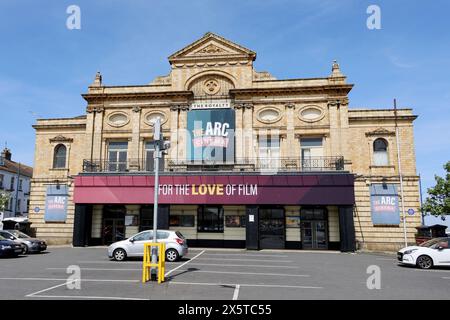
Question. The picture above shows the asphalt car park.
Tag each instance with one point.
(218, 274)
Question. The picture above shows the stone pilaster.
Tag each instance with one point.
(98, 129)
(239, 108)
(182, 132)
(134, 147)
(248, 151)
(290, 131)
(174, 132)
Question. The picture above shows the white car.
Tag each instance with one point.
(176, 245)
(435, 252)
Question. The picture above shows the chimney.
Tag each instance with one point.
(6, 154)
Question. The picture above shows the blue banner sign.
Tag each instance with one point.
(211, 135)
(56, 203)
(384, 204)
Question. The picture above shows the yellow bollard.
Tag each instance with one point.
(147, 261)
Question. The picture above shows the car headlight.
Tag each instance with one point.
(6, 247)
(410, 251)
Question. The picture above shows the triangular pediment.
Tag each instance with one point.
(380, 132)
(212, 47)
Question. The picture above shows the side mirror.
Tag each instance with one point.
(132, 240)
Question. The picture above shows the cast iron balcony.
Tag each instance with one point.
(310, 164)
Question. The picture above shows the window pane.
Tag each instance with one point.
(311, 142)
(380, 145)
(121, 145)
(210, 219)
(380, 158)
(59, 157)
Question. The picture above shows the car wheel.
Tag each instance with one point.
(172, 255)
(119, 255)
(25, 250)
(424, 262)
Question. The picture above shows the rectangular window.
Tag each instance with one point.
(235, 221)
(18, 205)
(1, 180)
(117, 156)
(292, 222)
(269, 152)
(20, 184)
(312, 154)
(182, 221)
(210, 219)
(149, 157)
(11, 185)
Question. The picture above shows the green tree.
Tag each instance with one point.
(438, 200)
(4, 197)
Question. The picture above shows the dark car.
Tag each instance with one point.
(30, 244)
(10, 248)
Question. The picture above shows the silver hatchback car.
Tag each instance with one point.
(176, 245)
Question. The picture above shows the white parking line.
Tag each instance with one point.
(244, 285)
(253, 260)
(236, 292)
(244, 265)
(85, 297)
(250, 273)
(99, 269)
(246, 254)
(169, 272)
(59, 279)
(51, 288)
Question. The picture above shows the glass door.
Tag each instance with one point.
(314, 235)
(271, 228)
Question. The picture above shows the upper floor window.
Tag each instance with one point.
(59, 156)
(312, 154)
(149, 157)
(11, 185)
(380, 152)
(117, 156)
(269, 152)
(1, 180)
(20, 184)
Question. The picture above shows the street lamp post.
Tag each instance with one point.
(160, 146)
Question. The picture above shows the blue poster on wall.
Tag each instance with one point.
(211, 135)
(56, 203)
(384, 204)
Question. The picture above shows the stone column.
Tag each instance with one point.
(134, 153)
(290, 131)
(333, 108)
(89, 130)
(182, 132)
(98, 129)
(248, 144)
(344, 128)
(239, 152)
(132, 210)
(174, 131)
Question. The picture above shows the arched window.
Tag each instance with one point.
(380, 152)
(59, 157)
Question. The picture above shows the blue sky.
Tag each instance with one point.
(44, 67)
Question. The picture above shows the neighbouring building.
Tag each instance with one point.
(254, 162)
(15, 180)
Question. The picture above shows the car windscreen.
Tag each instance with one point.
(20, 234)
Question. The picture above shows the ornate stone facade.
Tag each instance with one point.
(214, 67)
